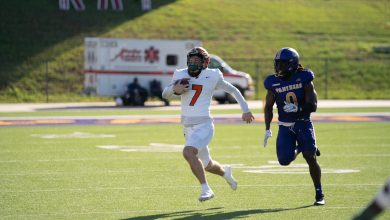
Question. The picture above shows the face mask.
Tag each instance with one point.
(193, 67)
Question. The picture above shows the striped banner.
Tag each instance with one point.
(102, 5)
(117, 5)
(64, 5)
(146, 5)
(78, 5)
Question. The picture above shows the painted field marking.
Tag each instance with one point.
(75, 134)
(294, 168)
(152, 147)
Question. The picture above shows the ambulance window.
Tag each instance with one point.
(214, 64)
(171, 60)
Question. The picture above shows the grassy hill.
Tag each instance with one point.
(335, 39)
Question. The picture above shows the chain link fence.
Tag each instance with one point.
(365, 78)
(335, 78)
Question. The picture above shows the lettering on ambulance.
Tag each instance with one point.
(198, 90)
(291, 98)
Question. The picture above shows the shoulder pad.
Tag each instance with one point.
(269, 80)
(306, 76)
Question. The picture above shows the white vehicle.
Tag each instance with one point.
(111, 64)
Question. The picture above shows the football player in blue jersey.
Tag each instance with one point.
(292, 89)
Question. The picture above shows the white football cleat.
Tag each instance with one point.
(209, 194)
(229, 177)
(320, 202)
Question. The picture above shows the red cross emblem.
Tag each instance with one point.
(151, 55)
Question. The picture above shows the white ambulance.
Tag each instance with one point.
(111, 64)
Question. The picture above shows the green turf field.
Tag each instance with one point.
(137, 172)
(159, 111)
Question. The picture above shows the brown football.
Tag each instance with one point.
(184, 81)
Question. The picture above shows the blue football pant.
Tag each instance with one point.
(300, 136)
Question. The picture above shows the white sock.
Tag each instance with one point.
(205, 187)
(225, 174)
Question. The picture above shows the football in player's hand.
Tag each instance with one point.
(184, 81)
(181, 86)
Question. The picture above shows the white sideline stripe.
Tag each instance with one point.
(185, 187)
(163, 211)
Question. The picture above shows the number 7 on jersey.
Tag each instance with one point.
(198, 90)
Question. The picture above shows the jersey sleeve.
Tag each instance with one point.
(268, 82)
(307, 76)
(220, 75)
(219, 79)
(168, 91)
(175, 76)
(229, 88)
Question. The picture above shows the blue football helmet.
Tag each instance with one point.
(286, 62)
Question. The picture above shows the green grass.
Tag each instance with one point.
(69, 177)
(151, 111)
(334, 38)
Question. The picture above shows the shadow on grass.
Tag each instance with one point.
(217, 213)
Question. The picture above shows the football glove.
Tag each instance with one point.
(268, 134)
(290, 107)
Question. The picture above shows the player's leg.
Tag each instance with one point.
(198, 137)
(286, 145)
(212, 166)
(224, 171)
(190, 154)
(307, 144)
(215, 168)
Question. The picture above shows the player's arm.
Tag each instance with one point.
(310, 99)
(268, 115)
(229, 88)
(168, 91)
(268, 109)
